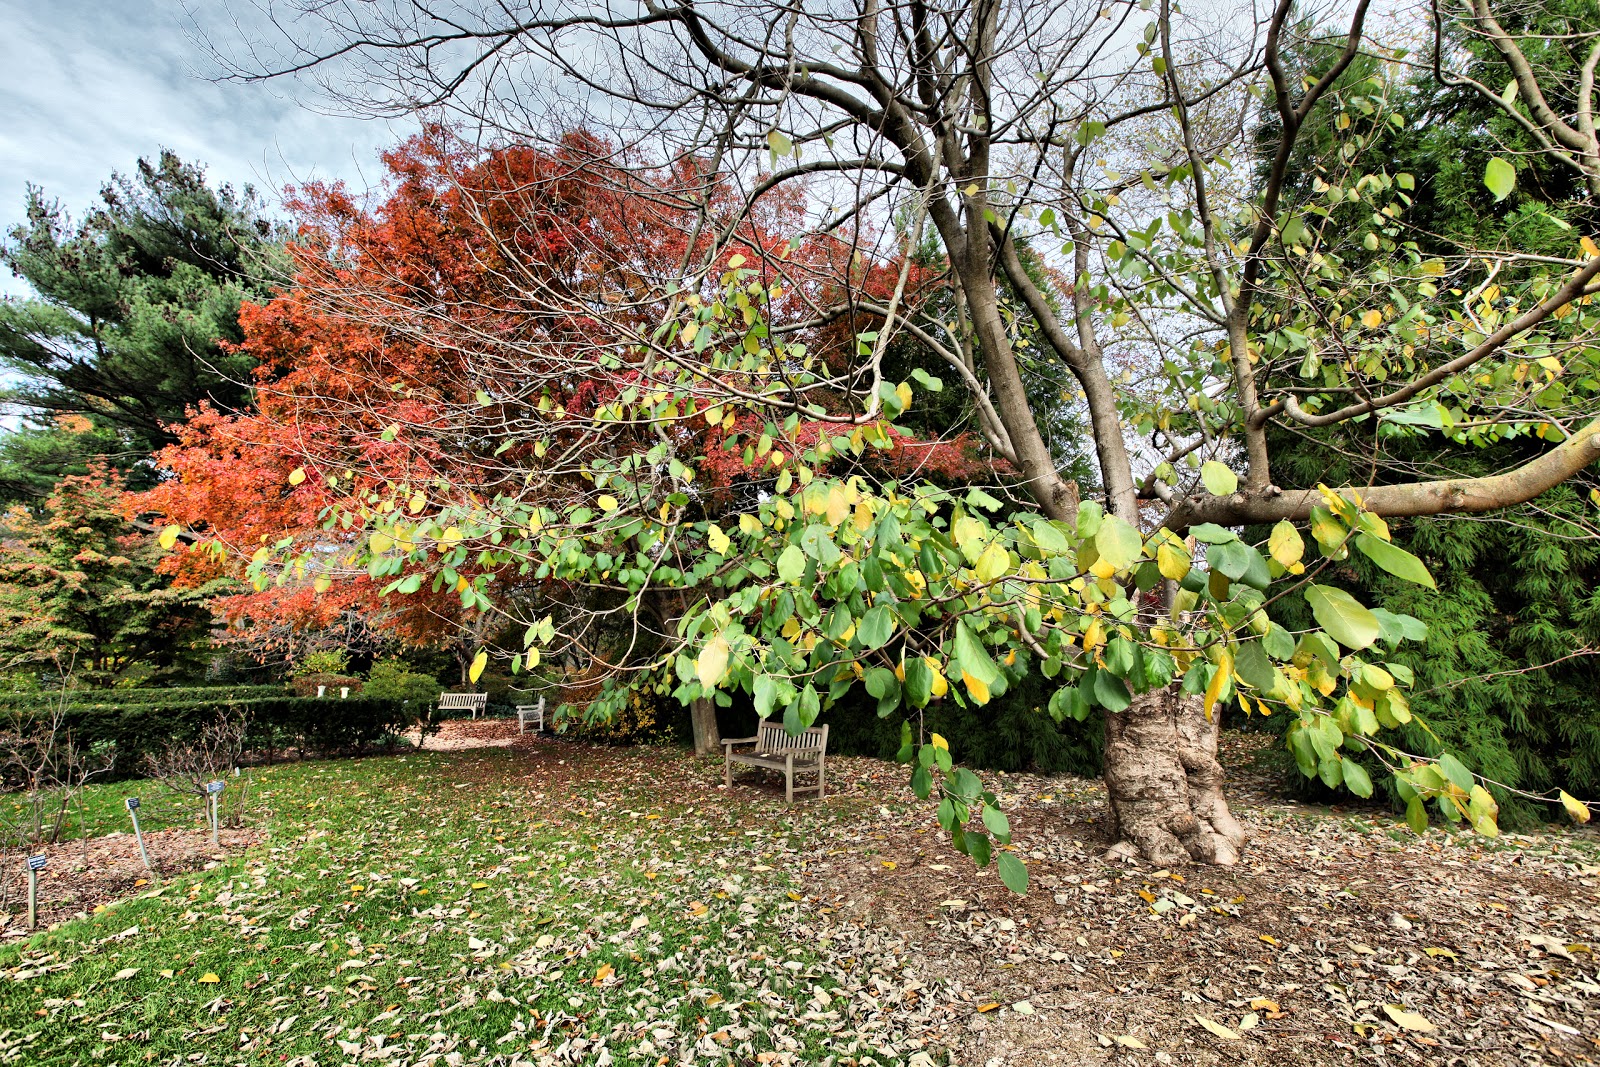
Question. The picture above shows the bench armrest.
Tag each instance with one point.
(726, 741)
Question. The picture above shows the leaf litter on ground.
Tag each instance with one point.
(536, 902)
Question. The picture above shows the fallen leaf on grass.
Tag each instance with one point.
(209, 978)
(1408, 1020)
(991, 1006)
(1128, 1042)
(1263, 1004)
(1436, 952)
(125, 973)
(605, 971)
(1218, 1029)
(1022, 1007)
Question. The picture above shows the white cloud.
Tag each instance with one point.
(89, 86)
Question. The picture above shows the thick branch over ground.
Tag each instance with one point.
(1446, 496)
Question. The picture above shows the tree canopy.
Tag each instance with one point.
(132, 322)
(1092, 176)
(82, 599)
(473, 252)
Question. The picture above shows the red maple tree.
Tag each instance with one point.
(417, 333)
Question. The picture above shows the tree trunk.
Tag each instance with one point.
(707, 739)
(1164, 782)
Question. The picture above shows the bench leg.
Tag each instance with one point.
(788, 779)
(727, 770)
(822, 779)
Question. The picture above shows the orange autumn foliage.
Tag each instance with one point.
(403, 351)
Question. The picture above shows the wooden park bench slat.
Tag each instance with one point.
(473, 702)
(530, 713)
(773, 748)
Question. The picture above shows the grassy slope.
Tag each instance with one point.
(446, 903)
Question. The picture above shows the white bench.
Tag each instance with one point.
(776, 750)
(533, 713)
(473, 702)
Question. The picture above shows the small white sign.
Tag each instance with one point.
(216, 787)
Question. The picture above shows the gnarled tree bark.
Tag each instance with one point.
(1164, 783)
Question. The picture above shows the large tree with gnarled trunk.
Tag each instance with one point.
(1088, 173)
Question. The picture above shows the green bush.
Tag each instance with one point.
(213, 693)
(275, 723)
(329, 661)
(1496, 682)
(415, 693)
(1012, 733)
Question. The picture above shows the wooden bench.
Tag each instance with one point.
(473, 702)
(776, 750)
(533, 713)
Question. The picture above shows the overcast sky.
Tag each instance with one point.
(89, 86)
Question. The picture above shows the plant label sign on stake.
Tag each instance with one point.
(213, 794)
(133, 813)
(35, 865)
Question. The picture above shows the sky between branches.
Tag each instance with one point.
(87, 87)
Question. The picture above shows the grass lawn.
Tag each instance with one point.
(555, 903)
(566, 905)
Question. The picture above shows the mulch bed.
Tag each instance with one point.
(85, 875)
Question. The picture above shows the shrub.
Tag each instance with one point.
(275, 723)
(1012, 733)
(1497, 683)
(328, 661)
(414, 693)
(635, 723)
(392, 680)
(213, 693)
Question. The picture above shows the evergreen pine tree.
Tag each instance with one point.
(134, 309)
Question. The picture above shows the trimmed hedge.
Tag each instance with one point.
(193, 694)
(276, 723)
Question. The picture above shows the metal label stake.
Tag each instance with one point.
(133, 813)
(213, 794)
(35, 865)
